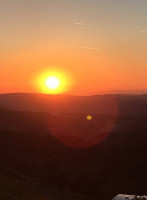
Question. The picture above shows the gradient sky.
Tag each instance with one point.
(102, 44)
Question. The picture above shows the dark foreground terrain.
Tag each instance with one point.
(42, 162)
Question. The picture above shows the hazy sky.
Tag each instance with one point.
(102, 44)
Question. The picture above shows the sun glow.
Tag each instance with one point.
(54, 82)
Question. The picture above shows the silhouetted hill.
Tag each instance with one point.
(139, 92)
(3, 107)
(24, 121)
(116, 164)
(127, 105)
(15, 186)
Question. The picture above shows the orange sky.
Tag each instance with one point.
(102, 46)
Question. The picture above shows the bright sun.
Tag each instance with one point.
(52, 82)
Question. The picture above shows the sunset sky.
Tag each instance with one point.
(100, 44)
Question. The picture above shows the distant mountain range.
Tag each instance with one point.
(114, 104)
(127, 92)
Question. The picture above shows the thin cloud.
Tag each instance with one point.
(89, 48)
(81, 24)
(142, 31)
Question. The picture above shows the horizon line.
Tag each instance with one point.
(83, 95)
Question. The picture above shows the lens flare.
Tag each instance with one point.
(80, 131)
(89, 117)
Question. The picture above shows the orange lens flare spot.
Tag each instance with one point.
(89, 117)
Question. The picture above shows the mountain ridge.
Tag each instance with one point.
(109, 104)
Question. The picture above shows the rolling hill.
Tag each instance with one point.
(100, 170)
(134, 105)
